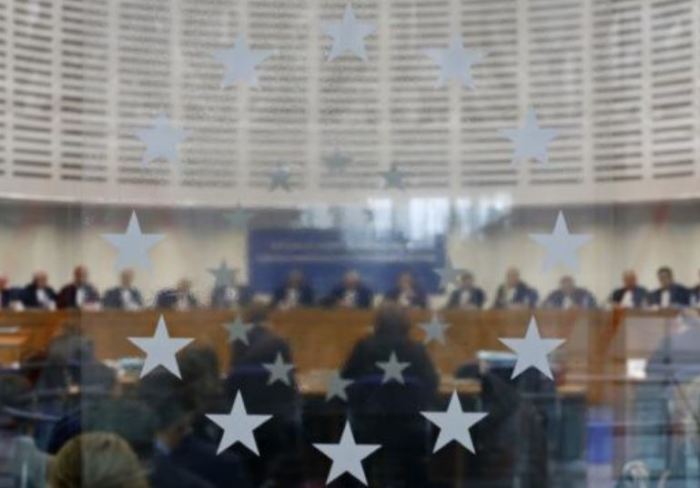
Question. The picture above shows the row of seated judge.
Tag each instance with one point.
(351, 292)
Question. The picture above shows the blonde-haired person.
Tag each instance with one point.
(97, 460)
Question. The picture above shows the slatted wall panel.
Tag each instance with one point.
(4, 70)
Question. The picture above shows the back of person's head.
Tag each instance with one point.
(199, 366)
(391, 322)
(97, 460)
(257, 313)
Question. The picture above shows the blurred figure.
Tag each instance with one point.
(80, 293)
(630, 295)
(466, 295)
(669, 294)
(696, 294)
(38, 293)
(515, 293)
(351, 293)
(407, 292)
(125, 296)
(295, 292)
(568, 295)
(233, 296)
(97, 460)
(10, 298)
(180, 298)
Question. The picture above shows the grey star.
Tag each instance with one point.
(347, 456)
(530, 140)
(240, 62)
(455, 62)
(336, 386)
(238, 330)
(224, 276)
(448, 274)
(133, 246)
(348, 35)
(161, 140)
(434, 330)
(394, 178)
(561, 246)
(160, 349)
(454, 424)
(239, 217)
(337, 162)
(279, 178)
(393, 369)
(279, 370)
(238, 426)
(532, 350)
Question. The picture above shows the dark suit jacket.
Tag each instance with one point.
(9, 295)
(420, 299)
(581, 298)
(167, 299)
(67, 295)
(113, 298)
(244, 297)
(680, 296)
(477, 298)
(524, 295)
(639, 296)
(306, 296)
(29, 295)
(364, 296)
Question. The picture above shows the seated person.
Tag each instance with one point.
(351, 293)
(180, 298)
(669, 294)
(125, 296)
(631, 295)
(515, 293)
(234, 296)
(295, 292)
(569, 296)
(10, 298)
(696, 295)
(38, 293)
(80, 293)
(466, 295)
(407, 293)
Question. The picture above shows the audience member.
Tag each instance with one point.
(407, 292)
(38, 293)
(80, 293)
(181, 298)
(125, 296)
(515, 293)
(467, 295)
(295, 292)
(669, 294)
(568, 295)
(9, 297)
(630, 295)
(231, 296)
(351, 293)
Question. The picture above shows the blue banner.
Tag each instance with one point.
(325, 255)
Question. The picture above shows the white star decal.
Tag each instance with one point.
(239, 217)
(238, 330)
(394, 178)
(161, 140)
(279, 370)
(337, 162)
(223, 275)
(347, 456)
(240, 62)
(455, 62)
(238, 426)
(393, 369)
(561, 246)
(448, 274)
(133, 245)
(434, 330)
(530, 140)
(160, 349)
(336, 387)
(454, 424)
(532, 350)
(279, 178)
(348, 35)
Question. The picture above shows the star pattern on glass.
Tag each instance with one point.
(561, 246)
(223, 275)
(161, 349)
(239, 218)
(393, 369)
(394, 178)
(455, 62)
(240, 62)
(347, 456)
(532, 350)
(161, 139)
(279, 178)
(434, 330)
(348, 35)
(238, 426)
(133, 245)
(336, 386)
(454, 424)
(337, 161)
(238, 330)
(530, 140)
(279, 370)
(448, 273)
